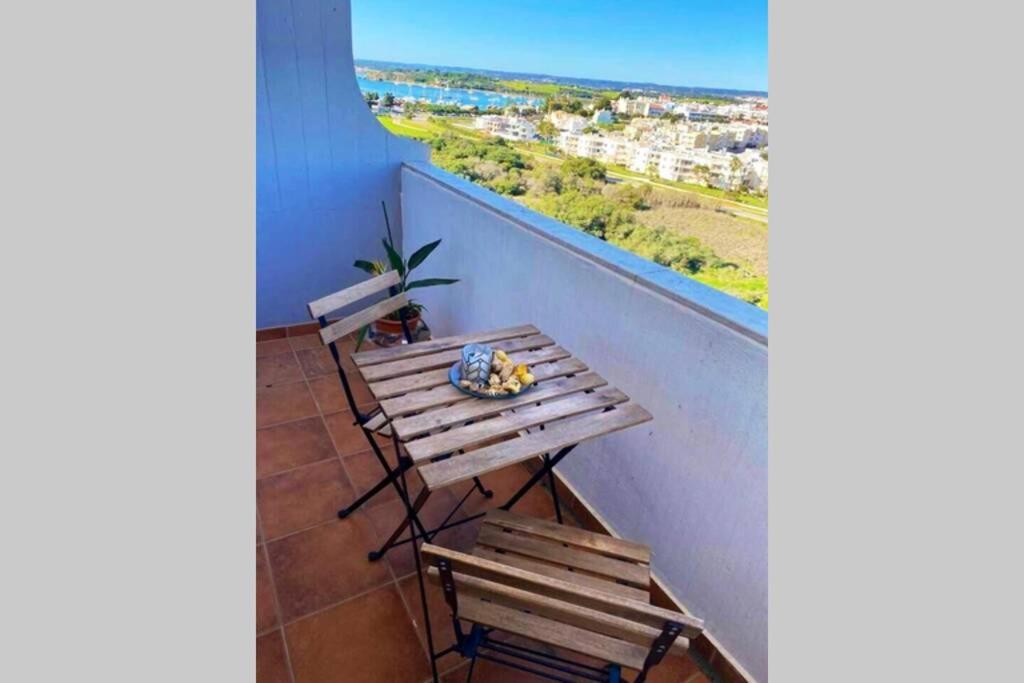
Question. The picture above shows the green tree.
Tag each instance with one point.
(388, 100)
(581, 167)
(602, 103)
(547, 130)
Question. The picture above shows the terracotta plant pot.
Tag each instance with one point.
(393, 327)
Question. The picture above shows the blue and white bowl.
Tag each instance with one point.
(476, 363)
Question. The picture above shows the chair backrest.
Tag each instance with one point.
(618, 629)
(330, 333)
(321, 307)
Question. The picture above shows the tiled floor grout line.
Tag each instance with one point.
(321, 610)
(316, 462)
(391, 571)
(393, 579)
(266, 541)
(277, 601)
(306, 417)
(341, 460)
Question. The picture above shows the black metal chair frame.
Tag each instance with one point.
(479, 644)
(391, 474)
(412, 518)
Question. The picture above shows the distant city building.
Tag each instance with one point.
(563, 120)
(508, 127)
(723, 156)
(640, 106)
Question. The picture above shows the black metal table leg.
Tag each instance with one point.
(411, 514)
(554, 489)
(549, 464)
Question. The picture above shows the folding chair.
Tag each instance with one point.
(559, 586)
(373, 422)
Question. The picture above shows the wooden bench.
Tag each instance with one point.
(558, 585)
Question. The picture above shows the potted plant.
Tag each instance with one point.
(389, 329)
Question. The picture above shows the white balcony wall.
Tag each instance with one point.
(323, 163)
(692, 483)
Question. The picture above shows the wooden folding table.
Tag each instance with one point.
(450, 437)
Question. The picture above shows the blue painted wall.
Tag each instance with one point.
(323, 162)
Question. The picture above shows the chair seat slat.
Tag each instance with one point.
(599, 543)
(556, 553)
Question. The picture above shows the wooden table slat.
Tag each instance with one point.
(436, 378)
(444, 359)
(510, 423)
(447, 394)
(376, 356)
(559, 435)
(474, 409)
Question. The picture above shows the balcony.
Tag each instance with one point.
(692, 483)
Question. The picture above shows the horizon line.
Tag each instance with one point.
(581, 78)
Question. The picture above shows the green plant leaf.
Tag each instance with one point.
(421, 254)
(394, 258)
(430, 282)
(362, 336)
(368, 266)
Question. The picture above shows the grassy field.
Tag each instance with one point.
(546, 89)
(406, 128)
(554, 89)
(740, 241)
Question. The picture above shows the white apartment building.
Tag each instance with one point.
(640, 106)
(685, 157)
(591, 146)
(563, 120)
(508, 127)
(690, 138)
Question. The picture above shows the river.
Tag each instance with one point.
(437, 95)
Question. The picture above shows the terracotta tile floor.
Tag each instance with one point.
(324, 613)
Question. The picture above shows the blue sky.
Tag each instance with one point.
(705, 43)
